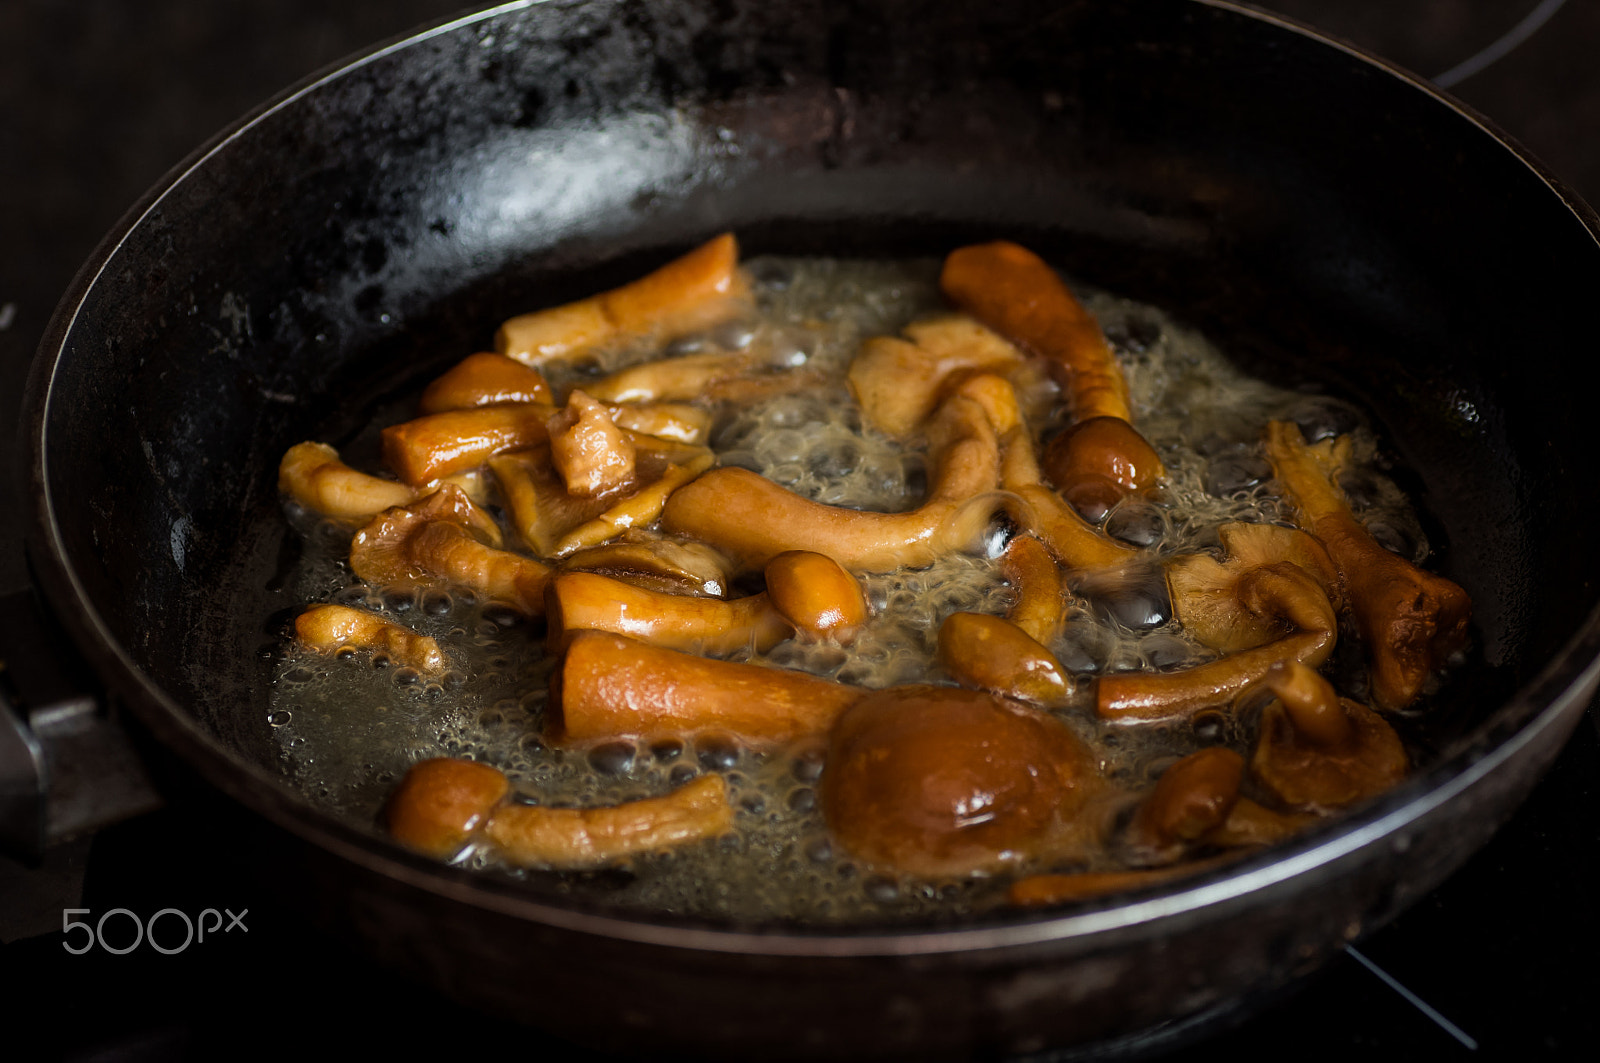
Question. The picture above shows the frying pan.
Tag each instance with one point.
(1324, 217)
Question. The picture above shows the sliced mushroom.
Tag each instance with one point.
(942, 781)
(330, 628)
(434, 446)
(996, 655)
(899, 382)
(752, 519)
(484, 379)
(590, 453)
(443, 537)
(313, 475)
(1318, 751)
(1017, 294)
(441, 805)
(691, 292)
(1410, 621)
(1258, 610)
(614, 687)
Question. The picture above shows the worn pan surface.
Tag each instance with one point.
(1324, 217)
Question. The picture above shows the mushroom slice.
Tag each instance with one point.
(442, 537)
(753, 520)
(1318, 751)
(442, 805)
(1410, 621)
(592, 455)
(992, 654)
(942, 781)
(636, 510)
(695, 291)
(1017, 294)
(313, 475)
(1040, 605)
(1190, 802)
(898, 382)
(614, 687)
(484, 379)
(647, 560)
(434, 446)
(329, 628)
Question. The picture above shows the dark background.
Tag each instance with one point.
(98, 98)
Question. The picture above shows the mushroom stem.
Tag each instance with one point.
(1073, 540)
(583, 601)
(996, 655)
(1410, 621)
(443, 804)
(1040, 605)
(1312, 705)
(438, 444)
(611, 687)
(484, 379)
(328, 628)
(694, 291)
(313, 475)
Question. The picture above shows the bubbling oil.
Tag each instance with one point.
(349, 726)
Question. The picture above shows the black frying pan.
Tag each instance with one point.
(1322, 216)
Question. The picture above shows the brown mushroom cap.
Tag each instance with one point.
(1192, 798)
(1308, 759)
(441, 802)
(1101, 448)
(943, 781)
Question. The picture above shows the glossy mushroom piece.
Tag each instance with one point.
(940, 781)
(1410, 621)
(330, 628)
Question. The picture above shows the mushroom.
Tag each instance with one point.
(1318, 751)
(996, 655)
(433, 446)
(647, 559)
(672, 379)
(484, 379)
(445, 536)
(1017, 294)
(1269, 603)
(1074, 541)
(752, 519)
(943, 781)
(1410, 621)
(313, 475)
(443, 804)
(694, 291)
(592, 455)
(330, 628)
(1189, 803)
(675, 422)
(807, 595)
(899, 382)
(609, 686)
(1039, 890)
(1040, 605)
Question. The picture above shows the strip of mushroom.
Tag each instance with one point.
(330, 628)
(313, 475)
(1318, 751)
(1410, 621)
(1039, 608)
(807, 594)
(1269, 603)
(1017, 294)
(942, 781)
(443, 537)
(614, 687)
(438, 444)
(443, 805)
(691, 292)
(647, 559)
(752, 519)
(484, 379)
(672, 379)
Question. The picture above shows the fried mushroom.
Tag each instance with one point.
(590, 453)
(484, 379)
(899, 382)
(330, 628)
(314, 476)
(1410, 621)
